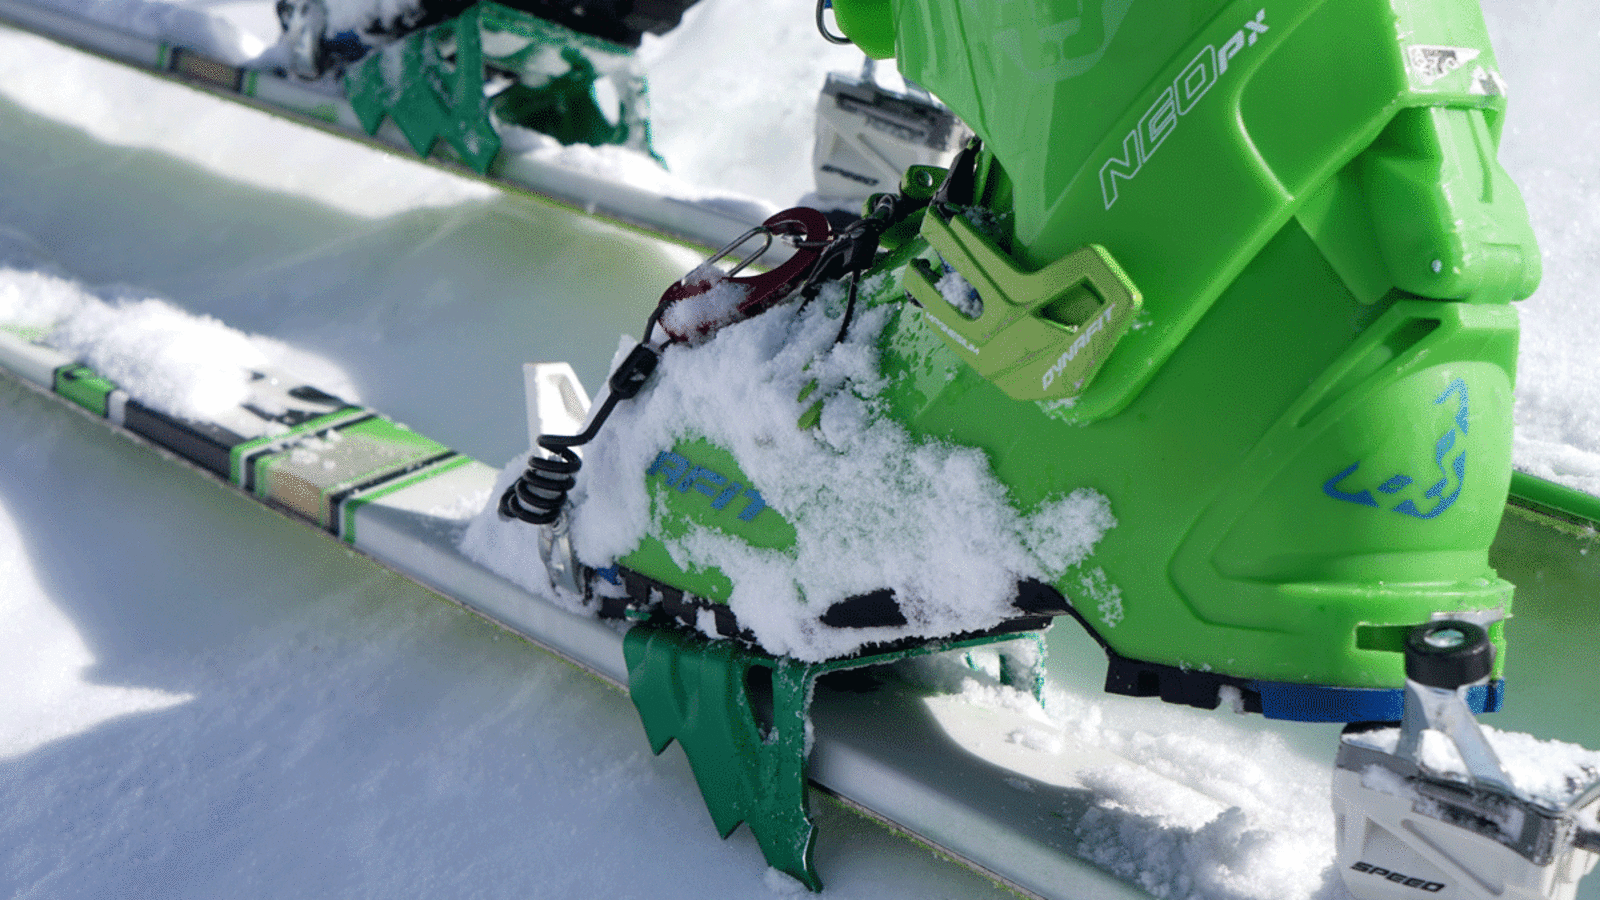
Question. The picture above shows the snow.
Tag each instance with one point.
(42, 707)
(924, 519)
(1553, 773)
(1551, 56)
(1185, 804)
(173, 361)
(204, 700)
(714, 302)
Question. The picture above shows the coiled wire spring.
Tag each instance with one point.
(539, 493)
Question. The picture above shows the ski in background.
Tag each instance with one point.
(502, 90)
(504, 111)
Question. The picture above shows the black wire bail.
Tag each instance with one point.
(822, 24)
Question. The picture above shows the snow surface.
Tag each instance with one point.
(1550, 54)
(209, 701)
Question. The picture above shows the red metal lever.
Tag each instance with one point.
(708, 299)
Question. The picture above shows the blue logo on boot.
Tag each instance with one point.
(1452, 470)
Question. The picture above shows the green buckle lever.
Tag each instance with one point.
(1037, 335)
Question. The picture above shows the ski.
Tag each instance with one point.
(381, 496)
(926, 764)
(322, 104)
(525, 140)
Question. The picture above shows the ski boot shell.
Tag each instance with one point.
(1244, 272)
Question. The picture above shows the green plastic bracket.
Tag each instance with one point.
(428, 95)
(742, 719)
(918, 183)
(433, 84)
(1037, 335)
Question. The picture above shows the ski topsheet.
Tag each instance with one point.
(209, 58)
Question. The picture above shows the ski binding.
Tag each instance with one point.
(1427, 807)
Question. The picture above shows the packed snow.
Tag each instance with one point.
(203, 700)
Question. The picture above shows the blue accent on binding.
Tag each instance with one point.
(1316, 703)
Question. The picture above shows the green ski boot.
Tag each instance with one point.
(1305, 431)
(1207, 344)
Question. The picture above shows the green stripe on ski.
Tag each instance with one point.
(240, 455)
(83, 386)
(348, 509)
(1567, 505)
(26, 332)
(306, 475)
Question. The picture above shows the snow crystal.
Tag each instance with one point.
(959, 293)
(1438, 753)
(1105, 596)
(699, 313)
